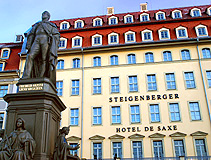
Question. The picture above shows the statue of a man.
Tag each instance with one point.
(42, 45)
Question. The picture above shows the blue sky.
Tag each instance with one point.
(18, 15)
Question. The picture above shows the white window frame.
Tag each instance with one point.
(74, 117)
(59, 66)
(194, 9)
(96, 35)
(64, 22)
(2, 51)
(75, 24)
(3, 65)
(65, 43)
(209, 11)
(164, 29)
(125, 18)
(3, 123)
(109, 38)
(134, 36)
(92, 148)
(109, 20)
(142, 35)
(142, 149)
(201, 26)
(73, 40)
(173, 16)
(101, 22)
(177, 32)
(144, 14)
(164, 15)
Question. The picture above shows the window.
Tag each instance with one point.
(96, 40)
(209, 11)
(113, 38)
(189, 80)
(181, 32)
(114, 84)
(179, 148)
(75, 87)
(131, 58)
(130, 37)
(154, 113)
(160, 15)
(74, 117)
(97, 22)
(116, 117)
(137, 149)
(64, 25)
(158, 149)
(97, 86)
(174, 112)
(97, 150)
(76, 63)
(185, 55)
(128, 19)
(209, 78)
(201, 30)
(164, 34)
(133, 84)
(96, 61)
(200, 147)
(117, 149)
(194, 111)
(3, 90)
(144, 17)
(97, 116)
(5, 53)
(1, 120)
(134, 114)
(59, 86)
(149, 57)
(206, 53)
(61, 43)
(74, 152)
(195, 12)
(146, 35)
(114, 60)
(176, 14)
(1, 66)
(113, 20)
(170, 81)
(79, 24)
(151, 82)
(77, 41)
(60, 64)
(167, 56)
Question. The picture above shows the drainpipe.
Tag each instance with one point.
(205, 91)
(82, 102)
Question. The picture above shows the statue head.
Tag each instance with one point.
(46, 15)
(65, 130)
(20, 123)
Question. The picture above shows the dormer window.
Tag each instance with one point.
(128, 19)
(62, 43)
(5, 53)
(146, 35)
(160, 15)
(176, 14)
(130, 37)
(209, 11)
(77, 41)
(1, 66)
(201, 30)
(195, 12)
(181, 32)
(79, 24)
(113, 20)
(97, 22)
(113, 38)
(164, 34)
(64, 25)
(144, 17)
(96, 40)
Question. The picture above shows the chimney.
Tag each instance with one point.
(110, 10)
(143, 7)
(19, 38)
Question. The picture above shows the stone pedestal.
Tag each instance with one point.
(38, 104)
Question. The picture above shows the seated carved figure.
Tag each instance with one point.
(19, 145)
(62, 149)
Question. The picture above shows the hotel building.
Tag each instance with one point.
(137, 85)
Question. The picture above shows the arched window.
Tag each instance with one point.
(164, 34)
(176, 14)
(181, 32)
(112, 20)
(5, 53)
(160, 15)
(131, 58)
(206, 53)
(79, 24)
(146, 35)
(144, 17)
(60, 64)
(114, 60)
(97, 22)
(62, 43)
(64, 25)
(97, 40)
(167, 56)
(96, 61)
(195, 12)
(201, 30)
(113, 38)
(76, 63)
(128, 19)
(149, 57)
(130, 37)
(185, 54)
(77, 41)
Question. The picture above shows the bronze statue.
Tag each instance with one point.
(42, 45)
(19, 145)
(62, 148)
